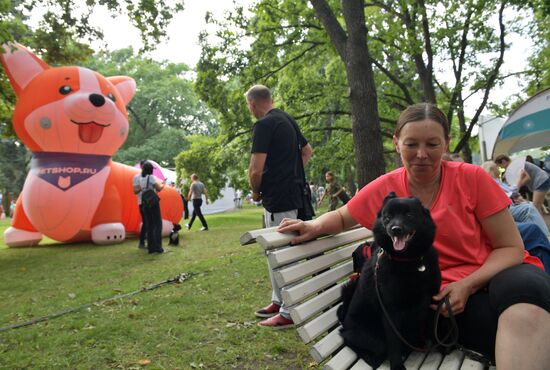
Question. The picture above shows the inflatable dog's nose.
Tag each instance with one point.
(97, 100)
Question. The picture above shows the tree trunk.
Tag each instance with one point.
(353, 49)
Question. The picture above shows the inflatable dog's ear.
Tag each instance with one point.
(126, 87)
(21, 66)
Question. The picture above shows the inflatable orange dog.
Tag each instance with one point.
(73, 120)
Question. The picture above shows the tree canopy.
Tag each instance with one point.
(352, 66)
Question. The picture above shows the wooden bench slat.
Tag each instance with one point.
(249, 237)
(298, 292)
(309, 308)
(342, 360)
(275, 239)
(469, 364)
(299, 271)
(432, 361)
(361, 365)
(288, 255)
(452, 361)
(327, 346)
(414, 360)
(319, 325)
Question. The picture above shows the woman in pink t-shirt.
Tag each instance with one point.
(500, 294)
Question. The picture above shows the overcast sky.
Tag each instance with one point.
(181, 46)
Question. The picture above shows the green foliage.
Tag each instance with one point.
(288, 50)
(14, 160)
(162, 148)
(204, 159)
(164, 98)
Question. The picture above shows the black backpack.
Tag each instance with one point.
(149, 197)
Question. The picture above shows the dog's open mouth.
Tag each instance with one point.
(90, 132)
(400, 242)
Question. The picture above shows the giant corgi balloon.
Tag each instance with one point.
(73, 120)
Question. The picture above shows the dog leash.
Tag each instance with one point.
(438, 342)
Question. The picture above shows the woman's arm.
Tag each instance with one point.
(508, 248)
(329, 223)
(524, 178)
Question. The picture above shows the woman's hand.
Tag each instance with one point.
(458, 292)
(306, 230)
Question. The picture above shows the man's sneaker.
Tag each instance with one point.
(204, 229)
(187, 226)
(268, 311)
(277, 322)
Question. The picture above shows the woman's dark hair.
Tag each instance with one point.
(420, 112)
(502, 157)
(146, 168)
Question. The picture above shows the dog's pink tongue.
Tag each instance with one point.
(398, 243)
(90, 133)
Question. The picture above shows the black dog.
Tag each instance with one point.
(174, 237)
(404, 269)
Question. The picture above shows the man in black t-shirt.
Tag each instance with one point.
(276, 178)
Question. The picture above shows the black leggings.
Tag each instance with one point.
(153, 222)
(477, 325)
(197, 203)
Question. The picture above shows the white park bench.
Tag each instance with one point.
(311, 275)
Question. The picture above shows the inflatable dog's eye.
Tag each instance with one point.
(111, 96)
(65, 89)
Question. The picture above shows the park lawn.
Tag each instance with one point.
(206, 322)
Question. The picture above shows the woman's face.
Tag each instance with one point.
(421, 145)
(328, 177)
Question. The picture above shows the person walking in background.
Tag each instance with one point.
(536, 179)
(151, 214)
(196, 190)
(275, 176)
(334, 191)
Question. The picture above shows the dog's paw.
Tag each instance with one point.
(112, 233)
(14, 237)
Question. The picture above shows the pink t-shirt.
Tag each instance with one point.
(466, 195)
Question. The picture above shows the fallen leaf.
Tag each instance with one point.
(72, 295)
(144, 361)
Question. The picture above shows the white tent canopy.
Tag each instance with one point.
(527, 127)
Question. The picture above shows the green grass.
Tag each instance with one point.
(205, 322)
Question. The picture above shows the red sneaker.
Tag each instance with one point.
(277, 322)
(268, 311)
